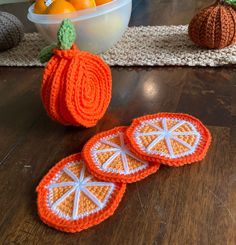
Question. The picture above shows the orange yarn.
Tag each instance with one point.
(214, 27)
(71, 200)
(174, 139)
(76, 87)
(101, 2)
(108, 158)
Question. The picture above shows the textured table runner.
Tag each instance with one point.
(140, 46)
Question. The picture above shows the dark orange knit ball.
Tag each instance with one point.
(214, 27)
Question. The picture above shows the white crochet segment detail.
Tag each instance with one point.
(79, 185)
(119, 151)
(168, 136)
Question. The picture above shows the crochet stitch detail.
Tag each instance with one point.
(108, 158)
(71, 200)
(167, 45)
(214, 26)
(66, 35)
(76, 86)
(11, 31)
(173, 139)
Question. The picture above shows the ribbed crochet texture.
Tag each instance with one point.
(68, 196)
(108, 158)
(140, 46)
(76, 87)
(214, 27)
(83, 190)
(173, 139)
(11, 31)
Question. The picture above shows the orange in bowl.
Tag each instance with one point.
(100, 2)
(60, 7)
(82, 4)
(41, 6)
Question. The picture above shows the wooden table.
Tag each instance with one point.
(190, 205)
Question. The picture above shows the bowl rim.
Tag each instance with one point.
(77, 15)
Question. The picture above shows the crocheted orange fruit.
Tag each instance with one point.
(173, 139)
(214, 27)
(71, 200)
(60, 7)
(83, 4)
(108, 158)
(76, 86)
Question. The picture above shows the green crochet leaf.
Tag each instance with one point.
(66, 35)
(231, 2)
(46, 53)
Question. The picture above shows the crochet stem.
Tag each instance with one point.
(66, 35)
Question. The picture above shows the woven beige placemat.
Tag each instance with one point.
(140, 46)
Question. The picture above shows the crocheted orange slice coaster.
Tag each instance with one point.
(71, 200)
(173, 139)
(108, 158)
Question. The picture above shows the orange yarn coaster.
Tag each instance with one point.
(108, 158)
(76, 87)
(173, 139)
(71, 200)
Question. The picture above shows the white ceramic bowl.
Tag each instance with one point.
(98, 29)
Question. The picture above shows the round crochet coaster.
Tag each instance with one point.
(71, 200)
(173, 139)
(108, 158)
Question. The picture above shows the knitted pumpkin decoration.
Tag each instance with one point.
(76, 86)
(215, 26)
(11, 31)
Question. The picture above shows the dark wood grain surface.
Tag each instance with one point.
(190, 205)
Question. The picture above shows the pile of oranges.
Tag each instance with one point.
(65, 6)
